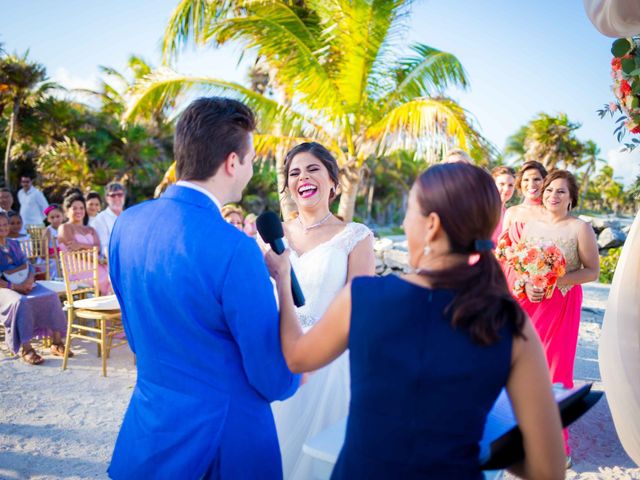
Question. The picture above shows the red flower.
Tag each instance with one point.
(625, 88)
(616, 63)
(636, 129)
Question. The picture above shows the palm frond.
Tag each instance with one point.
(189, 20)
(355, 31)
(423, 124)
(155, 91)
(297, 56)
(426, 73)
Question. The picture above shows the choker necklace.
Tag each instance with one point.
(315, 225)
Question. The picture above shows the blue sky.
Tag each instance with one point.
(522, 57)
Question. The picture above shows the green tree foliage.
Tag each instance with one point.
(340, 76)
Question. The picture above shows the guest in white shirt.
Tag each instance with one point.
(104, 221)
(32, 202)
(6, 200)
(94, 205)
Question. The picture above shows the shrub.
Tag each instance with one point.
(608, 264)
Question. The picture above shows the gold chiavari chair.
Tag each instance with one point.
(89, 316)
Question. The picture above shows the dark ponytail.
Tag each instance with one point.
(468, 204)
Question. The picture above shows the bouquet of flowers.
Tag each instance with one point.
(625, 71)
(540, 265)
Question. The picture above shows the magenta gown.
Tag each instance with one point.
(103, 272)
(557, 319)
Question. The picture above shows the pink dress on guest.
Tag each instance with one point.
(103, 272)
(557, 319)
(498, 230)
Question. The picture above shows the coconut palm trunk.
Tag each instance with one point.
(349, 183)
(12, 126)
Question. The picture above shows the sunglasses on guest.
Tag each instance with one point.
(116, 194)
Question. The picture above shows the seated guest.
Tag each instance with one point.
(431, 351)
(94, 205)
(250, 225)
(234, 215)
(6, 200)
(75, 235)
(505, 178)
(106, 219)
(15, 226)
(26, 308)
(53, 220)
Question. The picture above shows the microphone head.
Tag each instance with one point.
(269, 226)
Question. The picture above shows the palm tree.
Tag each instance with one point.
(551, 141)
(21, 83)
(339, 77)
(590, 159)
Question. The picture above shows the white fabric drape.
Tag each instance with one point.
(619, 351)
(614, 18)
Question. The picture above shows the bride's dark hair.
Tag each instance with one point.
(468, 204)
(322, 154)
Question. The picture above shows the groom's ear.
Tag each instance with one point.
(230, 164)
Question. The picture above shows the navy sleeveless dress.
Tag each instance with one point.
(420, 389)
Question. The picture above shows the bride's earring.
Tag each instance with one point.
(426, 251)
(569, 206)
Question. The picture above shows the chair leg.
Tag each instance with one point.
(67, 343)
(103, 345)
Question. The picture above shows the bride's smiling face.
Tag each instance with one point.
(309, 182)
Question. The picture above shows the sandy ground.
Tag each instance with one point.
(62, 425)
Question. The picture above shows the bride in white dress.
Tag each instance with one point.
(325, 253)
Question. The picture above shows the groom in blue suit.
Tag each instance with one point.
(199, 313)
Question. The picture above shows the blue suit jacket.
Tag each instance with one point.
(200, 314)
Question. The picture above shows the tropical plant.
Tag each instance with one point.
(62, 165)
(22, 83)
(591, 160)
(551, 141)
(608, 264)
(339, 76)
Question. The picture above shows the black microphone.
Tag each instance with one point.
(270, 229)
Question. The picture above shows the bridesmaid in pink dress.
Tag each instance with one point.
(505, 178)
(529, 181)
(557, 319)
(75, 235)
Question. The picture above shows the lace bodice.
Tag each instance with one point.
(322, 271)
(569, 247)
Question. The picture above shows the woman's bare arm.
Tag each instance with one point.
(536, 411)
(589, 257)
(326, 340)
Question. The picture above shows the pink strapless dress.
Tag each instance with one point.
(103, 272)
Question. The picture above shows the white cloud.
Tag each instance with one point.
(71, 82)
(626, 165)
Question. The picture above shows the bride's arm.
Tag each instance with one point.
(362, 261)
(589, 257)
(326, 340)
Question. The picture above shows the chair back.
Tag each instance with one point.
(36, 247)
(80, 272)
(37, 231)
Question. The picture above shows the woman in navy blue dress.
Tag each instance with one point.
(431, 351)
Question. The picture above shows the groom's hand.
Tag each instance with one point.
(278, 265)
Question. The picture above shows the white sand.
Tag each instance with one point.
(63, 425)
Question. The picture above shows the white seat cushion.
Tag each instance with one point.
(108, 302)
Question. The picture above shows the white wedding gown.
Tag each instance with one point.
(619, 350)
(324, 398)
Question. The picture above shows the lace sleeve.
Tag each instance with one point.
(355, 233)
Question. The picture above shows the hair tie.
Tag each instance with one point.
(483, 245)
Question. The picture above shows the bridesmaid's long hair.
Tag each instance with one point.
(468, 204)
